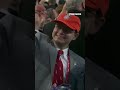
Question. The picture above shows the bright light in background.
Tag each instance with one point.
(74, 13)
(46, 0)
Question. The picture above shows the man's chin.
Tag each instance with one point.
(59, 42)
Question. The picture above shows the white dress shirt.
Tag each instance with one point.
(36, 30)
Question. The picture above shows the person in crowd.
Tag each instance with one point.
(55, 64)
(48, 28)
(40, 17)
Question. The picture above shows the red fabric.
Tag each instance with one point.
(58, 77)
(71, 21)
(58, 71)
(103, 5)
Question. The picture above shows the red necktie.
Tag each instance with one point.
(58, 70)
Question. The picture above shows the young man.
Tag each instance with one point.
(55, 63)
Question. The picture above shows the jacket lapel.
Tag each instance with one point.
(72, 61)
(39, 54)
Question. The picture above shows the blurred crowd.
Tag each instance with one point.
(47, 10)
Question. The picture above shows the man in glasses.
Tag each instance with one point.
(56, 64)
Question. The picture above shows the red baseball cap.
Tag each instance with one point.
(71, 21)
(103, 5)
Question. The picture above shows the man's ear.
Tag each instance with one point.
(76, 35)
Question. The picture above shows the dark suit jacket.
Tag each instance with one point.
(45, 58)
(97, 78)
(17, 53)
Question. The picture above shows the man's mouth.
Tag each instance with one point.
(61, 36)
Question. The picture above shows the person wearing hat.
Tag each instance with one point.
(55, 63)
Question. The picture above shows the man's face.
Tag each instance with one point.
(63, 35)
(37, 19)
(40, 18)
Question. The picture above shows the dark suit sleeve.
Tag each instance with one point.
(5, 79)
(81, 81)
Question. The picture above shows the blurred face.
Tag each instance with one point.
(36, 20)
(40, 18)
(93, 22)
(78, 4)
(63, 35)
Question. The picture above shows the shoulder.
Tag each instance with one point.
(10, 17)
(79, 66)
(78, 58)
(40, 36)
(42, 40)
(80, 62)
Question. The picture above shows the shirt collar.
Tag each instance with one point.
(64, 50)
(36, 30)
